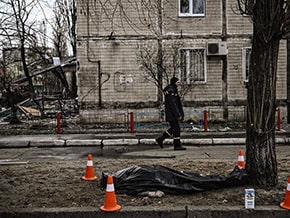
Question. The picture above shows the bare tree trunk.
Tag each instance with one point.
(261, 155)
(74, 87)
(27, 74)
(270, 21)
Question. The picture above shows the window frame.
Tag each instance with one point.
(246, 58)
(190, 13)
(188, 69)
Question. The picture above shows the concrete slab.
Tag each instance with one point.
(229, 141)
(83, 142)
(47, 142)
(107, 142)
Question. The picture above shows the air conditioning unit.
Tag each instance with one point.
(217, 48)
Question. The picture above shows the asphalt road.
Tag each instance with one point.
(225, 152)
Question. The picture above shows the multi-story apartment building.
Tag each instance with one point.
(207, 45)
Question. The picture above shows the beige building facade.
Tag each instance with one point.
(207, 45)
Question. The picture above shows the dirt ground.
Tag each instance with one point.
(48, 184)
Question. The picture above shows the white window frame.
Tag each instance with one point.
(246, 56)
(190, 13)
(189, 66)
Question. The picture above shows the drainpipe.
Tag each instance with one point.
(98, 62)
(99, 84)
(225, 63)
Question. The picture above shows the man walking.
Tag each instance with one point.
(173, 114)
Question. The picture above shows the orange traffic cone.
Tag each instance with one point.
(110, 204)
(286, 203)
(241, 162)
(89, 170)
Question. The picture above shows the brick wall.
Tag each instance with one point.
(112, 35)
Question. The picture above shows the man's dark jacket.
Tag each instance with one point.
(173, 106)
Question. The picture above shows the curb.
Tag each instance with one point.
(145, 212)
(86, 142)
(53, 142)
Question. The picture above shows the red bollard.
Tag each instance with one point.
(278, 119)
(132, 130)
(58, 123)
(205, 124)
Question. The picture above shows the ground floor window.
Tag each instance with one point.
(192, 65)
(246, 56)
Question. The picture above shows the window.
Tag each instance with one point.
(192, 66)
(191, 7)
(244, 7)
(246, 56)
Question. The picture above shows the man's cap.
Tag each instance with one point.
(173, 80)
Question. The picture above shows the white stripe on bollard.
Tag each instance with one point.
(90, 163)
(110, 188)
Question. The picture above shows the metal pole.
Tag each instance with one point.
(205, 124)
(132, 130)
(58, 123)
(278, 119)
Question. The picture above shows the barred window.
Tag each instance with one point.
(192, 66)
(191, 7)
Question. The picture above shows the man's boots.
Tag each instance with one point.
(161, 138)
(177, 145)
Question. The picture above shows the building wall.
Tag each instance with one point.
(193, 26)
(111, 36)
(237, 24)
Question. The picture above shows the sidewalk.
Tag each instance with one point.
(119, 139)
